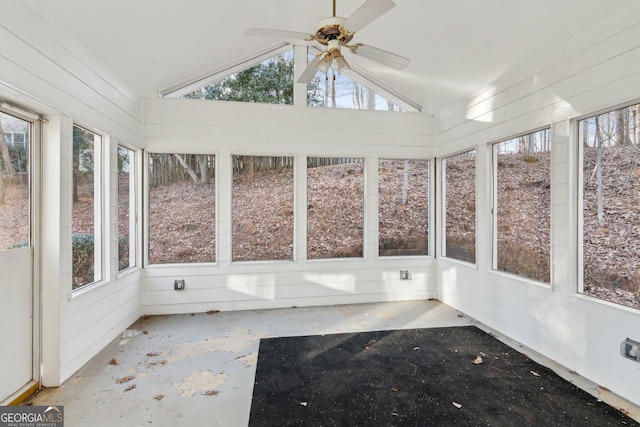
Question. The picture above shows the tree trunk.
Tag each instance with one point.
(620, 127)
(405, 182)
(190, 171)
(2, 190)
(4, 151)
(371, 100)
(636, 115)
(202, 165)
(585, 133)
(599, 183)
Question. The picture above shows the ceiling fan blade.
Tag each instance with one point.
(300, 38)
(310, 72)
(382, 56)
(367, 13)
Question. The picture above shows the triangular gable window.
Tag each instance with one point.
(269, 78)
(334, 90)
(351, 90)
(268, 81)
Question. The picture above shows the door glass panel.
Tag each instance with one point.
(14, 182)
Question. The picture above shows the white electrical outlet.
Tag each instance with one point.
(405, 275)
(630, 349)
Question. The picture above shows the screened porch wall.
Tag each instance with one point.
(599, 70)
(227, 128)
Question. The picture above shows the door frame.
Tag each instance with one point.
(35, 238)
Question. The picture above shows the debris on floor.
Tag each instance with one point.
(201, 381)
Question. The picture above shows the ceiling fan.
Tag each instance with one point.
(336, 32)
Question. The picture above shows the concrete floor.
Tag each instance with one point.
(199, 369)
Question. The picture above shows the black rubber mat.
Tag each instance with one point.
(458, 376)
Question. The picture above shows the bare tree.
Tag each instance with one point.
(405, 182)
(187, 168)
(202, 166)
(598, 171)
(6, 166)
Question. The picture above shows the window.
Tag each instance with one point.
(403, 207)
(181, 208)
(269, 82)
(14, 184)
(522, 206)
(610, 181)
(262, 208)
(460, 206)
(335, 208)
(126, 209)
(86, 219)
(340, 91)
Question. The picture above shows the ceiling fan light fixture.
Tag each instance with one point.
(334, 56)
(337, 62)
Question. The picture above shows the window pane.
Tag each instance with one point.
(181, 208)
(611, 206)
(523, 206)
(262, 208)
(335, 207)
(460, 206)
(403, 208)
(126, 209)
(335, 90)
(270, 82)
(14, 183)
(87, 207)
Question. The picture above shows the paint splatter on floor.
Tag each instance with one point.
(203, 381)
(234, 342)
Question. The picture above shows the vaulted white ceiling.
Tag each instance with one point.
(456, 47)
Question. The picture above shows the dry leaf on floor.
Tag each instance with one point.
(145, 332)
(457, 405)
(125, 379)
(158, 396)
(213, 311)
(210, 392)
(131, 387)
(393, 389)
(535, 374)
(113, 361)
(478, 361)
(153, 354)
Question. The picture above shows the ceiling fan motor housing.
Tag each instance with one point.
(332, 29)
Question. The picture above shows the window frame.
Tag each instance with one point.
(182, 89)
(577, 204)
(365, 171)
(146, 210)
(294, 168)
(101, 213)
(494, 206)
(443, 205)
(429, 211)
(360, 76)
(134, 209)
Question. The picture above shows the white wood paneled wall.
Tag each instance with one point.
(599, 70)
(43, 68)
(226, 128)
